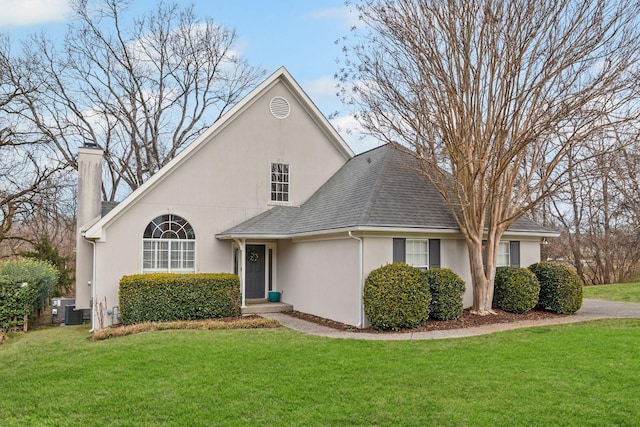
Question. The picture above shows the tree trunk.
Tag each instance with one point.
(481, 281)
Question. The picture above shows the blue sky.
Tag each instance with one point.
(299, 34)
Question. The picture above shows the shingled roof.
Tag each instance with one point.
(379, 188)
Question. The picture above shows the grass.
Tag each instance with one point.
(580, 374)
(626, 292)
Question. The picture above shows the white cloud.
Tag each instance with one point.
(323, 93)
(322, 90)
(349, 128)
(18, 13)
(347, 15)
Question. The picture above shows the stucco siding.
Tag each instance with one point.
(454, 255)
(321, 278)
(529, 252)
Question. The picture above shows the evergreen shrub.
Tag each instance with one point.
(164, 297)
(396, 296)
(447, 291)
(516, 289)
(25, 288)
(560, 287)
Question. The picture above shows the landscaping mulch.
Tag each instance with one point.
(467, 320)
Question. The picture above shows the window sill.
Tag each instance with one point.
(272, 203)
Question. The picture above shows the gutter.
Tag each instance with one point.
(93, 278)
(360, 324)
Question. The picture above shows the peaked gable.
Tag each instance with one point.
(281, 76)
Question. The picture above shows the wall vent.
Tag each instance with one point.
(279, 107)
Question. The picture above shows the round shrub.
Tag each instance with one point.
(447, 290)
(516, 289)
(396, 296)
(560, 287)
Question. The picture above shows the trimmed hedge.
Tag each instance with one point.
(516, 289)
(396, 296)
(447, 291)
(560, 287)
(18, 301)
(167, 297)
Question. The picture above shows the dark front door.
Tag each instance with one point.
(255, 271)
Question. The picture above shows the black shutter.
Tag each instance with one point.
(434, 253)
(514, 253)
(399, 250)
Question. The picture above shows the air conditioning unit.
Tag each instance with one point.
(58, 308)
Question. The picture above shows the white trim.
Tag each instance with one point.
(381, 229)
(361, 317)
(506, 243)
(406, 251)
(270, 182)
(93, 285)
(242, 243)
(96, 231)
(270, 265)
(169, 251)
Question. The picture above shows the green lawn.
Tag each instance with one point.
(580, 374)
(627, 292)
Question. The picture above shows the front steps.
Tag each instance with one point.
(262, 306)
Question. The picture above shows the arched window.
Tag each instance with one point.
(169, 245)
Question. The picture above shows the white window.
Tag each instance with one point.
(504, 254)
(417, 252)
(169, 245)
(279, 182)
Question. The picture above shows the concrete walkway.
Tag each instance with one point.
(591, 310)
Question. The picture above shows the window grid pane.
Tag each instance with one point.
(168, 245)
(417, 252)
(504, 256)
(279, 182)
(168, 255)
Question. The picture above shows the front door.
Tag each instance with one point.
(255, 271)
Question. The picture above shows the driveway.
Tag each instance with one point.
(591, 310)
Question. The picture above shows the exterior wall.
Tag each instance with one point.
(222, 184)
(378, 251)
(529, 252)
(321, 278)
(454, 255)
(89, 209)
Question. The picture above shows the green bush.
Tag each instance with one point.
(166, 297)
(45, 250)
(560, 287)
(447, 290)
(25, 288)
(396, 296)
(516, 289)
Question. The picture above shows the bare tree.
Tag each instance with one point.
(31, 175)
(597, 211)
(141, 88)
(491, 97)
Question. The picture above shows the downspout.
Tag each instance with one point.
(93, 278)
(242, 244)
(360, 324)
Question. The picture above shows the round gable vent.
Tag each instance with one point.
(279, 107)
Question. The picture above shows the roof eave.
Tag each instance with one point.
(377, 229)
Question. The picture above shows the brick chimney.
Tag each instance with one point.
(89, 211)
